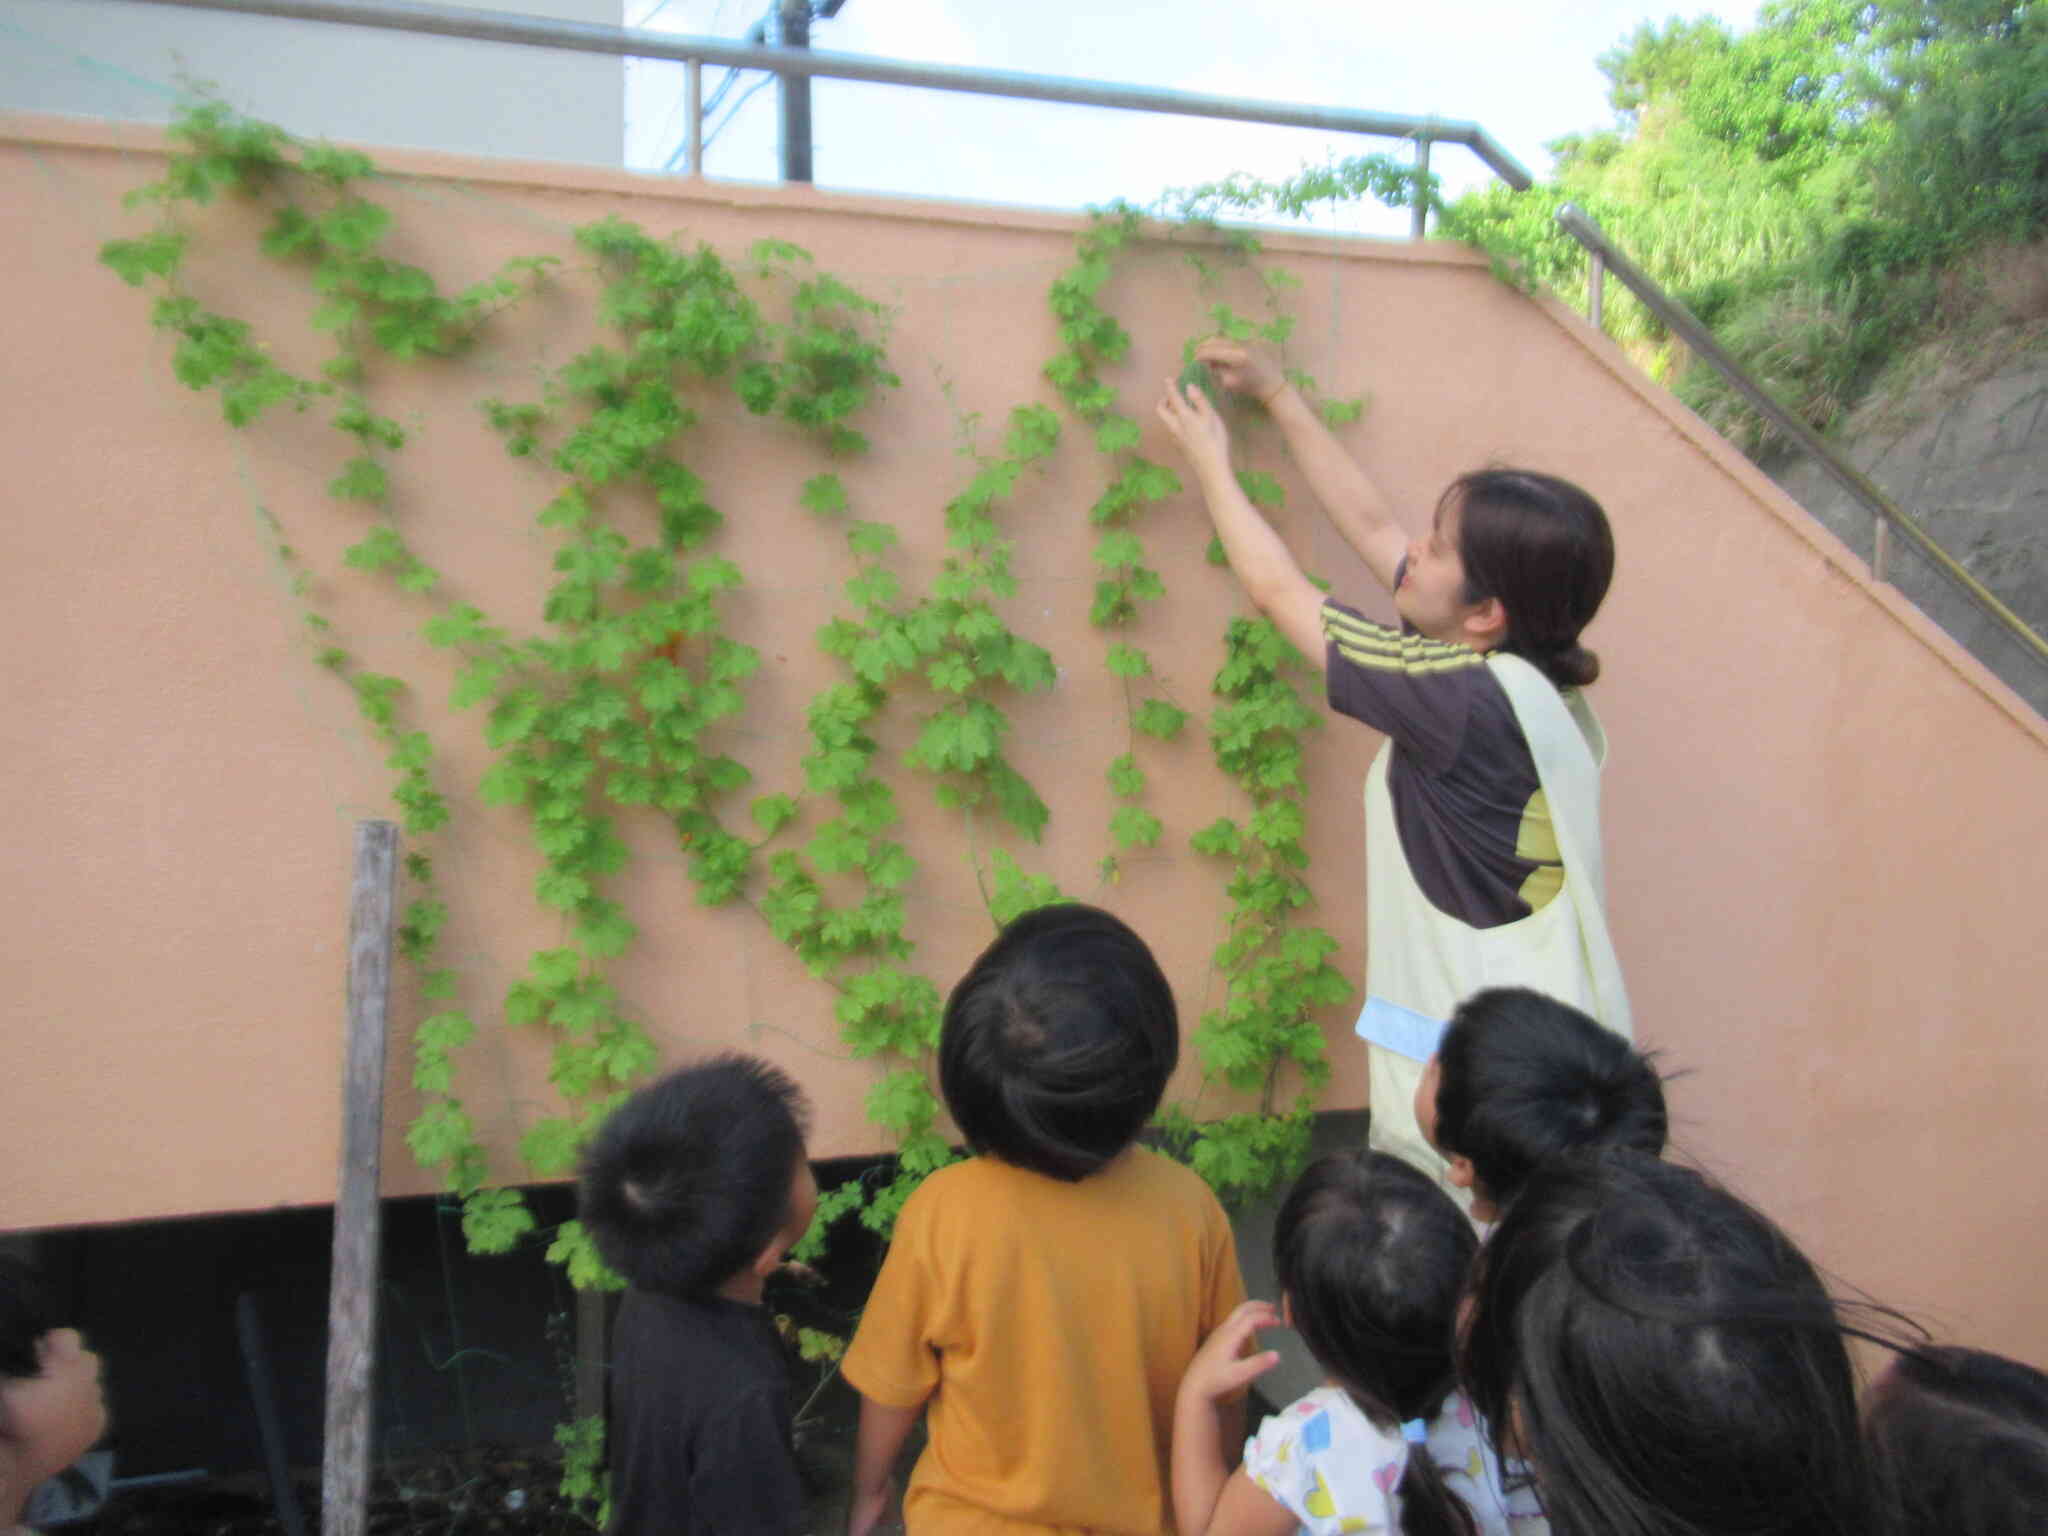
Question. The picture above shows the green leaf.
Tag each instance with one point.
(1126, 778)
(1116, 434)
(773, 812)
(153, 255)
(1119, 547)
(712, 574)
(560, 889)
(1034, 433)
(869, 806)
(1134, 826)
(824, 495)
(662, 686)
(889, 866)
(950, 674)
(1261, 488)
(475, 683)
(1221, 837)
(493, 1220)
(551, 1146)
(1156, 717)
(835, 847)
(573, 1249)
(440, 1134)
(514, 717)
(1013, 892)
(354, 226)
(902, 1102)
(1279, 822)
(1017, 800)
(603, 928)
(868, 540)
(1128, 661)
(361, 479)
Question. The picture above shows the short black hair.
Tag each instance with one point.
(25, 1316)
(689, 1179)
(1960, 1439)
(1058, 1042)
(1523, 1078)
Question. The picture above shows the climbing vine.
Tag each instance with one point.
(618, 707)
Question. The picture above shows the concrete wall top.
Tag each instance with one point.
(1824, 821)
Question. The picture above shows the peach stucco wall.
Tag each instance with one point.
(1824, 823)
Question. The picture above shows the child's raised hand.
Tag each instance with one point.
(1221, 1366)
(1194, 424)
(1239, 369)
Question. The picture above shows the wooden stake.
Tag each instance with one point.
(352, 1290)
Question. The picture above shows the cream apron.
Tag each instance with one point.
(1421, 963)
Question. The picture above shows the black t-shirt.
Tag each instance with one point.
(700, 1431)
(1474, 822)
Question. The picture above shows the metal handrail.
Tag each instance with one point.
(1890, 516)
(636, 42)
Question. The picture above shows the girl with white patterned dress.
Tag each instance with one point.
(1372, 1257)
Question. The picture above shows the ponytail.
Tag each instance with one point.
(1523, 1078)
(1428, 1506)
(1542, 547)
(1573, 667)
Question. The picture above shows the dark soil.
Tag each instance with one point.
(483, 1491)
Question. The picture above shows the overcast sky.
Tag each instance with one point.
(1522, 69)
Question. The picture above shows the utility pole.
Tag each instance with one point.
(793, 30)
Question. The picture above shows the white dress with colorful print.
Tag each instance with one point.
(1327, 1463)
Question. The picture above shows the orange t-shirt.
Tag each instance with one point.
(1048, 1324)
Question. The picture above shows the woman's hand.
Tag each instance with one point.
(1194, 424)
(1238, 369)
(1220, 1366)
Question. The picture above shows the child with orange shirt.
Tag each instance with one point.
(1041, 1299)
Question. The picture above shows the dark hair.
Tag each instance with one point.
(1373, 1256)
(1058, 1042)
(1665, 1359)
(1960, 1439)
(1543, 547)
(689, 1180)
(1522, 1078)
(25, 1316)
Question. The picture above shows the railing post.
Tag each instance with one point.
(1418, 225)
(693, 93)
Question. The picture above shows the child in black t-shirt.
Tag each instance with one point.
(693, 1190)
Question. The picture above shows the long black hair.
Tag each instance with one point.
(1666, 1360)
(1543, 547)
(1372, 1256)
(1960, 1438)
